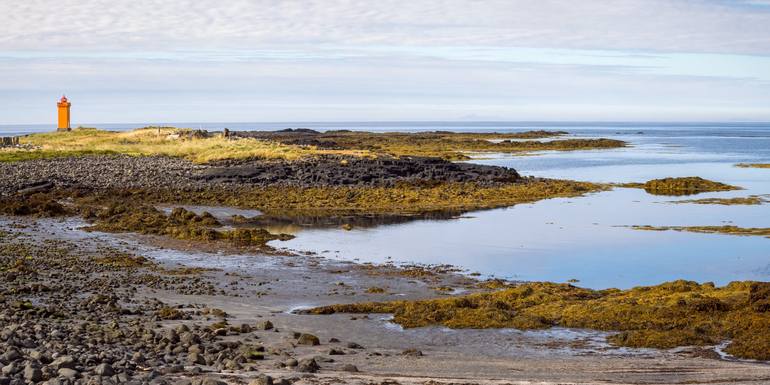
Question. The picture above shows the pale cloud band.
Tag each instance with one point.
(657, 25)
(391, 60)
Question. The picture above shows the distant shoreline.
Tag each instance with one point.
(24, 129)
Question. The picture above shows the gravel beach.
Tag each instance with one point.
(83, 307)
(93, 308)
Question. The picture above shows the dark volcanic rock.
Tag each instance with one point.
(98, 172)
(69, 336)
(63, 362)
(336, 171)
(158, 172)
(32, 374)
(104, 370)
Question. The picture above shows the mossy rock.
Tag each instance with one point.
(684, 186)
(180, 224)
(169, 313)
(308, 339)
(677, 313)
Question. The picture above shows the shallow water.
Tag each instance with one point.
(586, 238)
(583, 238)
(219, 212)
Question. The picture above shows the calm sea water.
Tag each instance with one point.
(582, 238)
(585, 238)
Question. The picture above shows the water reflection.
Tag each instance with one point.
(347, 221)
(586, 238)
(233, 217)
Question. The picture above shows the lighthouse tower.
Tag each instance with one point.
(64, 114)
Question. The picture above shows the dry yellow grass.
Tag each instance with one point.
(158, 141)
(170, 141)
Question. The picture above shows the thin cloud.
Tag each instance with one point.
(270, 60)
(650, 25)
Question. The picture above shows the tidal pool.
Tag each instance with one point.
(587, 238)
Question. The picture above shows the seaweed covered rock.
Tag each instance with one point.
(729, 230)
(678, 313)
(39, 205)
(439, 144)
(684, 186)
(252, 236)
(125, 218)
(182, 216)
(180, 224)
(759, 296)
(308, 339)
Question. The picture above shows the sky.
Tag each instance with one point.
(158, 61)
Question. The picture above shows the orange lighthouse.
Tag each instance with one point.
(64, 114)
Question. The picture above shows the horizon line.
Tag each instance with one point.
(457, 122)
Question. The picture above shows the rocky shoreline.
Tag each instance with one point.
(167, 300)
(89, 313)
(346, 188)
(86, 308)
(159, 172)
